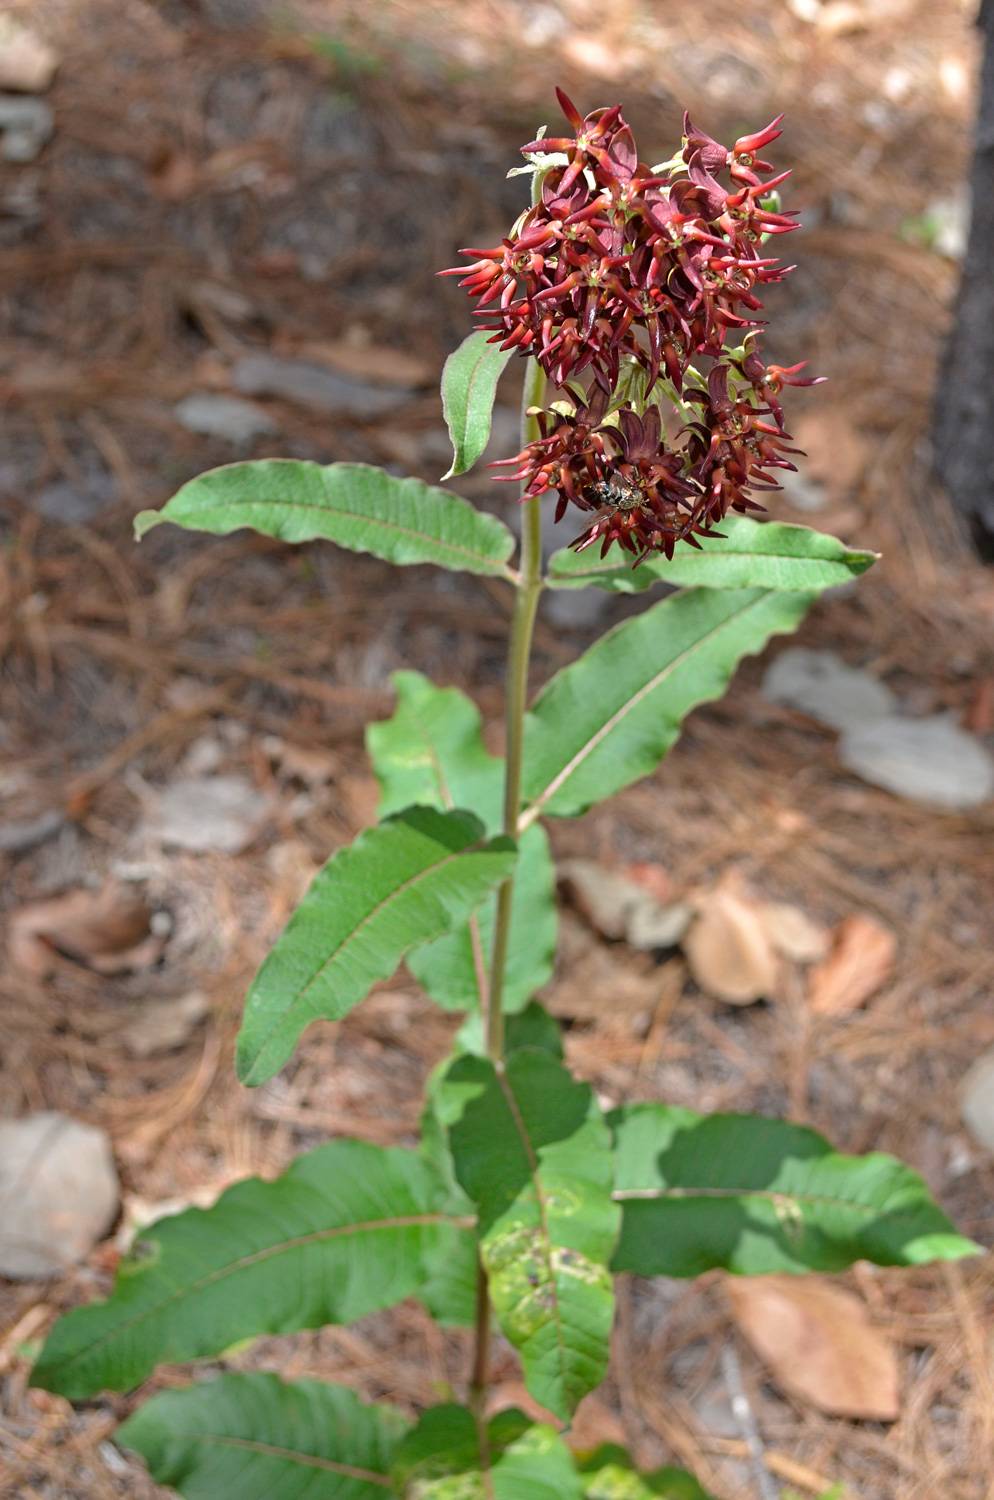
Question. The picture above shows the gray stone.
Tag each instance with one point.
(28, 833)
(820, 684)
(227, 417)
(26, 125)
(315, 386)
(26, 62)
(929, 760)
(208, 814)
(977, 1100)
(74, 502)
(803, 492)
(653, 926)
(58, 1193)
(619, 907)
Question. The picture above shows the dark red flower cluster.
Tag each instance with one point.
(648, 281)
(615, 259)
(646, 495)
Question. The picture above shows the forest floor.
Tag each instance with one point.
(229, 177)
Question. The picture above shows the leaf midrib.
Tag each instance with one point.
(400, 890)
(480, 972)
(772, 1195)
(499, 564)
(609, 570)
(273, 1450)
(534, 809)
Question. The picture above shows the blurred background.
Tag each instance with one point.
(219, 224)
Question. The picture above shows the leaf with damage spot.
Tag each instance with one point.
(449, 1292)
(756, 1196)
(531, 1151)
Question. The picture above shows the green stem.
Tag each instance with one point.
(516, 700)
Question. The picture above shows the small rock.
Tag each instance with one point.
(977, 1100)
(26, 62)
(619, 907)
(74, 503)
(931, 760)
(803, 492)
(651, 926)
(163, 1025)
(209, 814)
(227, 417)
(58, 1193)
(314, 386)
(26, 125)
(820, 684)
(28, 833)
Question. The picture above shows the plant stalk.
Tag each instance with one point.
(516, 701)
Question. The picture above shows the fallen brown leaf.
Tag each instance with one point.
(728, 946)
(861, 961)
(818, 1344)
(109, 930)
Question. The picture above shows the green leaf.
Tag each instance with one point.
(609, 1474)
(453, 969)
(531, 1151)
(431, 752)
(412, 878)
(449, 1292)
(756, 1196)
(355, 505)
(469, 384)
(752, 554)
(441, 1460)
(609, 718)
(254, 1437)
(348, 1229)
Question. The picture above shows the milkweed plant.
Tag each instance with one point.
(652, 422)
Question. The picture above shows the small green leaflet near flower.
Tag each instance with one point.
(440, 1459)
(531, 1151)
(252, 1437)
(414, 877)
(757, 1196)
(469, 385)
(356, 506)
(751, 554)
(348, 1229)
(609, 718)
(431, 752)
